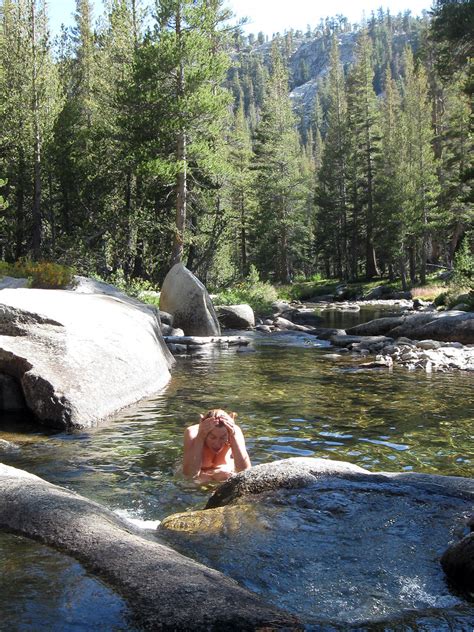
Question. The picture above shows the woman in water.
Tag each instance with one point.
(214, 449)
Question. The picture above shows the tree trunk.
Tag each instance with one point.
(181, 157)
(243, 239)
(36, 211)
(403, 273)
(412, 262)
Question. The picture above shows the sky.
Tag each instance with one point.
(271, 16)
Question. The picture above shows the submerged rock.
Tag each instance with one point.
(333, 543)
(164, 589)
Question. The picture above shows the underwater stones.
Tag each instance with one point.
(165, 590)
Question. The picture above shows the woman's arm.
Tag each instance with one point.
(194, 439)
(239, 451)
(192, 454)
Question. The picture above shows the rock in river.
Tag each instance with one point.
(186, 298)
(336, 545)
(80, 357)
(165, 590)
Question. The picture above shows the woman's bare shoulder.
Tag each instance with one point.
(191, 431)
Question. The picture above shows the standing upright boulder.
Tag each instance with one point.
(186, 298)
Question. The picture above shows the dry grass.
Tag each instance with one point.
(428, 292)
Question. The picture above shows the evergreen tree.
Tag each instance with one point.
(332, 236)
(455, 213)
(178, 77)
(281, 187)
(29, 98)
(365, 139)
(389, 190)
(242, 189)
(421, 184)
(76, 152)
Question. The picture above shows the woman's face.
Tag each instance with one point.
(216, 439)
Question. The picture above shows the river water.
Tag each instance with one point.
(293, 397)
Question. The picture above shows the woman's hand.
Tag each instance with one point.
(206, 424)
(229, 425)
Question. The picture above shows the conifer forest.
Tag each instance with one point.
(161, 133)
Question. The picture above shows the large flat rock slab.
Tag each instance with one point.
(165, 590)
(80, 357)
(340, 547)
(448, 326)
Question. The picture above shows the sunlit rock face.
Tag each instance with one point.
(78, 357)
(336, 547)
(187, 300)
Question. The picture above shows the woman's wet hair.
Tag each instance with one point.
(219, 414)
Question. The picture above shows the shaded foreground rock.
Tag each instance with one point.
(287, 473)
(187, 300)
(458, 563)
(336, 545)
(80, 357)
(165, 590)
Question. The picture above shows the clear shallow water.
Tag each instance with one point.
(291, 400)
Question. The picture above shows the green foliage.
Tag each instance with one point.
(42, 274)
(134, 287)
(258, 294)
(464, 264)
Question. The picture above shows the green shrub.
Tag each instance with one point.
(136, 288)
(464, 264)
(258, 294)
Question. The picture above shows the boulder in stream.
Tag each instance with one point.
(336, 545)
(449, 326)
(79, 358)
(236, 316)
(187, 300)
(165, 590)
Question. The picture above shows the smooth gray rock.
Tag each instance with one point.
(280, 306)
(303, 471)
(326, 333)
(8, 282)
(287, 474)
(187, 300)
(80, 357)
(447, 326)
(348, 340)
(307, 317)
(165, 590)
(165, 318)
(377, 327)
(285, 324)
(335, 544)
(236, 316)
